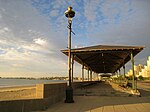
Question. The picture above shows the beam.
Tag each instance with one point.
(95, 52)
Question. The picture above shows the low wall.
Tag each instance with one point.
(46, 95)
(50, 90)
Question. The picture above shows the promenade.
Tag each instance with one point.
(104, 97)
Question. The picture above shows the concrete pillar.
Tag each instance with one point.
(90, 75)
(133, 74)
(97, 77)
(82, 72)
(119, 72)
(124, 71)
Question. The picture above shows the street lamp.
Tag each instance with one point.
(69, 91)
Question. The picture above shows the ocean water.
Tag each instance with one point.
(24, 82)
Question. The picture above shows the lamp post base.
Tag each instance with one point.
(69, 95)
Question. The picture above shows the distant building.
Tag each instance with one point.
(140, 70)
(146, 70)
(129, 73)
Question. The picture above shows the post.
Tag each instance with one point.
(69, 51)
(91, 75)
(133, 74)
(88, 74)
(82, 72)
(124, 71)
(69, 91)
(119, 76)
(72, 66)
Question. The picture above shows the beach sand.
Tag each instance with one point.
(15, 93)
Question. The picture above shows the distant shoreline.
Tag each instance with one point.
(40, 78)
(30, 78)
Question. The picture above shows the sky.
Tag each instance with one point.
(32, 32)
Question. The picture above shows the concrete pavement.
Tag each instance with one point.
(103, 98)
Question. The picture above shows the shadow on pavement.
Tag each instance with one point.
(103, 98)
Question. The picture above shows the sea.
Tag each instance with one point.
(24, 82)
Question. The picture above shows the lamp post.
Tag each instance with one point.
(69, 91)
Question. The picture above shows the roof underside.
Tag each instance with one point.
(104, 58)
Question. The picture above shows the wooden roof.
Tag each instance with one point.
(104, 58)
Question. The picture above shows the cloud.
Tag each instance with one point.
(40, 41)
(4, 30)
(28, 42)
(32, 32)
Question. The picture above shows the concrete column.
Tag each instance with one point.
(119, 76)
(124, 71)
(133, 74)
(90, 75)
(119, 72)
(82, 72)
(97, 77)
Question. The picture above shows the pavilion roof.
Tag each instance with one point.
(104, 58)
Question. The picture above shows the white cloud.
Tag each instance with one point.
(13, 54)
(4, 30)
(40, 41)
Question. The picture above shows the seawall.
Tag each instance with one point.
(46, 95)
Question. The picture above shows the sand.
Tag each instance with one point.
(16, 93)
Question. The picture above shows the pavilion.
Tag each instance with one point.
(104, 58)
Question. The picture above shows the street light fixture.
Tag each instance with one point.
(69, 91)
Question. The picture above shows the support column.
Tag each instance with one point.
(72, 67)
(124, 71)
(119, 72)
(97, 76)
(91, 75)
(133, 74)
(88, 74)
(82, 72)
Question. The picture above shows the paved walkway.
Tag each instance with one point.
(144, 88)
(105, 99)
(101, 89)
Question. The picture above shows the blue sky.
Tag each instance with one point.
(32, 32)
